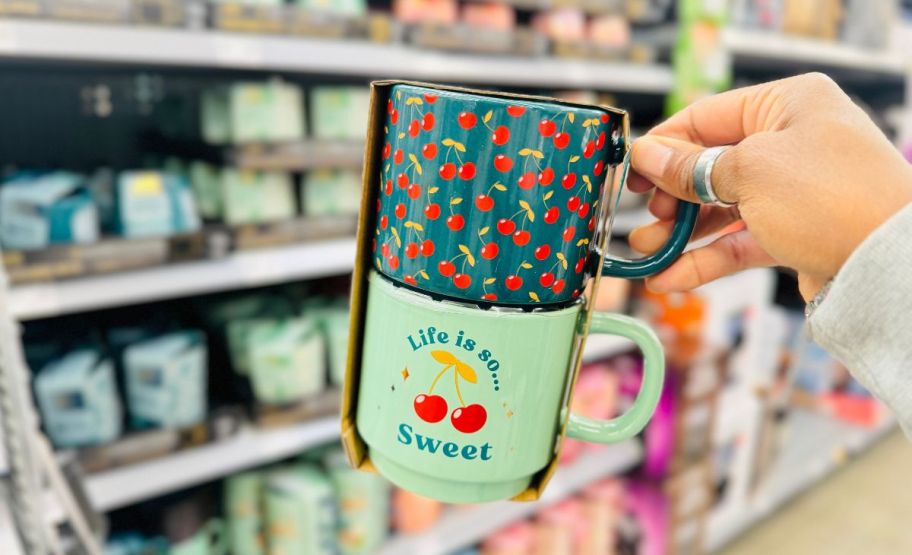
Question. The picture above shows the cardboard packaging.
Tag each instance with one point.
(355, 448)
(152, 203)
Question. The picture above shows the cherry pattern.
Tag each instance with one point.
(465, 418)
(492, 200)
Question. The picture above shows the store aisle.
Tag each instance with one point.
(854, 511)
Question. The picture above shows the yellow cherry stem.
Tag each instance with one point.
(440, 375)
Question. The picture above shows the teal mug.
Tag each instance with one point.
(498, 200)
(466, 405)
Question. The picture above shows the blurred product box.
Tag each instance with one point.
(37, 210)
(650, 11)
(300, 512)
(869, 24)
(169, 13)
(331, 193)
(257, 197)
(499, 17)
(339, 112)
(166, 380)
(152, 203)
(242, 502)
(77, 396)
(24, 8)
(813, 18)
(363, 505)
(96, 11)
(470, 38)
(271, 111)
(333, 321)
(206, 182)
(565, 25)
(442, 12)
(412, 513)
(350, 8)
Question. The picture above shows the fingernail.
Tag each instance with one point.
(650, 158)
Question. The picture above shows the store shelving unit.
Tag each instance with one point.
(465, 527)
(75, 42)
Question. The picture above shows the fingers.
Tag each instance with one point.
(637, 183)
(727, 255)
(669, 163)
(650, 238)
(662, 205)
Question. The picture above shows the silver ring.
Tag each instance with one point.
(703, 176)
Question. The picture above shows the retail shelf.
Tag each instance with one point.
(783, 51)
(242, 269)
(121, 487)
(465, 527)
(817, 445)
(75, 42)
(303, 156)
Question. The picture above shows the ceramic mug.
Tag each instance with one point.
(497, 200)
(465, 405)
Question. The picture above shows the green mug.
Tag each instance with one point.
(210, 540)
(466, 405)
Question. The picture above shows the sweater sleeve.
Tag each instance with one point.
(865, 320)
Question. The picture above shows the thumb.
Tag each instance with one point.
(669, 164)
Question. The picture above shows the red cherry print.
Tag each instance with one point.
(379, 205)
(561, 140)
(429, 151)
(547, 127)
(573, 203)
(411, 250)
(546, 279)
(394, 262)
(576, 293)
(599, 167)
(427, 248)
(506, 227)
(384, 221)
(489, 297)
(462, 281)
(569, 233)
(516, 111)
(591, 225)
(389, 188)
(589, 150)
(400, 210)
(513, 282)
(432, 211)
(584, 210)
(399, 156)
(414, 191)
(501, 135)
(456, 222)
(402, 180)
(558, 286)
(580, 264)
(552, 214)
(569, 181)
(446, 268)
(427, 122)
(448, 171)
(467, 120)
(410, 279)
(389, 106)
(543, 252)
(386, 150)
(600, 140)
(385, 250)
(605, 118)
(484, 202)
(521, 238)
(546, 177)
(503, 163)
(414, 128)
(489, 251)
(470, 419)
(527, 181)
(430, 98)
(467, 171)
(373, 245)
(431, 408)
(394, 116)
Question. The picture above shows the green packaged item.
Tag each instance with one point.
(363, 500)
(331, 193)
(334, 321)
(243, 500)
(150, 203)
(300, 512)
(257, 197)
(349, 8)
(207, 189)
(271, 111)
(339, 113)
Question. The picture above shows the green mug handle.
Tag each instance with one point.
(685, 220)
(635, 419)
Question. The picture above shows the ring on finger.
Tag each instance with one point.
(702, 176)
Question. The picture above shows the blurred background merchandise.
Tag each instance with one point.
(179, 184)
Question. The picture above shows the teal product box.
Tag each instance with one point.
(253, 112)
(363, 500)
(331, 193)
(53, 208)
(301, 512)
(77, 396)
(166, 380)
(257, 197)
(150, 203)
(340, 113)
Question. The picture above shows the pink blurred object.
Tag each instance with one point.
(610, 30)
(567, 518)
(857, 409)
(490, 16)
(566, 24)
(515, 540)
(445, 12)
(413, 513)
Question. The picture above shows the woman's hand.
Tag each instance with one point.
(811, 174)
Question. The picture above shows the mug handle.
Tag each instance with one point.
(685, 220)
(635, 419)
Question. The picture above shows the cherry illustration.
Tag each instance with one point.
(569, 180)
(552, 215)
(389, 106)
(546, 279)
(467, 171)
(605, 118)
(399, 156)
(599, 167)
(429, 151)
(489, 251)
(527, 181)
(547, 127)
(589, 149)
(484, 202)
(470, 419)
(462, 281)
(427, 122)
(455, 222)
(489, 297)
(431, 408)
(580, 264)
(388, 189)
(503, 163)
(384, 221)
(505, 226)
(379, 205)
(432, 211)
(410, 279)
(516, 111)
(402, 180)
(414, 191)
(543, 252)
(600, 140)
(414, 128)
(446, 268)
(467, 120)
(569, 233)
(427, 248)
(584, 210)
(522, 237)
(561, 140)
(513, 282)
(394, 116)
(394, 262)
(430, 98)
(501, 135)
(385, 250)
(411, 250)
(448, 171)
(591, 225)
(558, 286)
(573, 203)
(399, 210)
(546, 177)
(386, 151)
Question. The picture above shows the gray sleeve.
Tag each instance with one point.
(866, 318)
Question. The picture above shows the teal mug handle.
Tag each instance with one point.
(685, 221)
(635, 419)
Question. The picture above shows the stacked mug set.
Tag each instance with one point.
(484, 217)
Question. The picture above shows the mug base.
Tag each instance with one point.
(447, 491)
